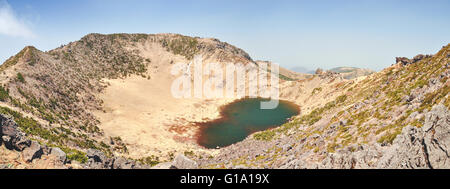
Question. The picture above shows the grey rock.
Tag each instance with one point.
(403, 60)
(425, 147)
(437, 137)
(413, 148)
(11, 136)
(122, 163)
(20, 142)
(7, 126)
(8, 130)
(141, 166)
(98, 160)
(287, 147)
(33, 152)
(182, 162)
(406, 151)
(96, 155)
(58, 153)
(338, 161)
(95, 165)
(419, 57)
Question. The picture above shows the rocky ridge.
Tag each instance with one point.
(391, 119)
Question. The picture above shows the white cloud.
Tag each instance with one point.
(10, 25)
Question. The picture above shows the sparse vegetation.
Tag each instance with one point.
(77, 156)
(4, 94)
(286, 78)
(265, 135)
(181, 45)
(150, 160)
(388, 137)
(309, 119)
(373, 108)
(316, 90)
(13, 60)
(20, 78)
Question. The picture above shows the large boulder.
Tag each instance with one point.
(11, 136)
(59, 154)
(33, 152)
(7, 126)
(182, 162)
(98, 160)
(8, 130)
(122, 163)
(96, 155)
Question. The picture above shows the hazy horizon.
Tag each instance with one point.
(319, 34)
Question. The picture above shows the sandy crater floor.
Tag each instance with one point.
(149, 120)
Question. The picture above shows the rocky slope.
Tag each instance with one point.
(397, 118)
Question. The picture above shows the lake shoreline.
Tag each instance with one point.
(243, 126)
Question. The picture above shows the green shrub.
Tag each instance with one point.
(331, 148)
(388, 137)
(77, 156)
(341, 99)
(286, 78)
(182, 45)
(265, 135)
(4, 95)
(189, 153)
(150, 160)
(20, 77)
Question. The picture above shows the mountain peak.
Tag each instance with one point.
(27, 54)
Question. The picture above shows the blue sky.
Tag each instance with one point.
(310, 34)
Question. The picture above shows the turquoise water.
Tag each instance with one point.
(242, 118)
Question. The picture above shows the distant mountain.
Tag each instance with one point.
(300, 69)
(352, 72)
